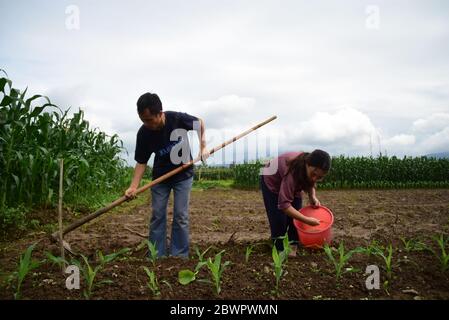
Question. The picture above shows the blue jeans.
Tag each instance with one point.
(160, 193)
(280, 222)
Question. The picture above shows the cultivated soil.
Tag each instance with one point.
(231, 220)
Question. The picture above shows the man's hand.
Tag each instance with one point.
(204, 154)
(130, 193)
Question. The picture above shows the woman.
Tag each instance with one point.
(282, 181)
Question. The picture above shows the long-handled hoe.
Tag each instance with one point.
(119, 201)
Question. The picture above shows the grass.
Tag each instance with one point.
(212, 184)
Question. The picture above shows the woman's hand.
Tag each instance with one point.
(314, 201)
(312, 221)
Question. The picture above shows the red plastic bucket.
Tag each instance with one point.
(315, 236)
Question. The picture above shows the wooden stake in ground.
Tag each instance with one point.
(61, 175)
(122, 199)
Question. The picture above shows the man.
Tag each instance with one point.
(165, 134)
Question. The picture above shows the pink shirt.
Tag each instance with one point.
(280, 183)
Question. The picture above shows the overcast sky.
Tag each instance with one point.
(349, 77)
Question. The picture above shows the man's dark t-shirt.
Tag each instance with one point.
(158, 141)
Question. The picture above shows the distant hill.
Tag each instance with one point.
(438, 155)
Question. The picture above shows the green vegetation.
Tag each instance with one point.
(187, 276)
(413, 245)
(25, 266)
(442, 255)
(367, 172)
(341, 258)
(279, 260)
(387, 256)
(89, 272)
(153, 252)
(248, 251)
(33, 137)
(216, 269)
(152, 282)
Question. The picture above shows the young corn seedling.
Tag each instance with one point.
(201, 254)
(152, 282)
(26, 265)
(151, 249)
(387, 256)
(187, 276)
(89, 273)
(216, 268)
(59, 261)
(413, 245)
(249, 250)
(104, 259)
(278, 261)
(341, 258)
(443, 256)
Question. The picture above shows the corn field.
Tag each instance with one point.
(34, 138)
(368, 172)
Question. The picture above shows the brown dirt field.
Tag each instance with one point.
(217, 214)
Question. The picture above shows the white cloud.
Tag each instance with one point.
(228, 112)
(432, 124)
(345, 126)
(401, 139)
(437, 142)
(234, 64)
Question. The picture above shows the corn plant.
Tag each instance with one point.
(280, 258)
(104, 259)
(278, 261)
(387, 256)
(34, 134)
(249, 250)
(59, 261)
(152, 282)
(413, 245)
(216, 269)
(153, 252)
(368, 172)
(89, 275)
(341, 258)
(25, 266)
(89, 272)
(443, 256)
(200, 254)
(187, 276)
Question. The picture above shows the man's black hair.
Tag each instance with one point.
(149, 101)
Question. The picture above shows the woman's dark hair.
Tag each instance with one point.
(319, 159)
(297, 167)
(149, 101)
